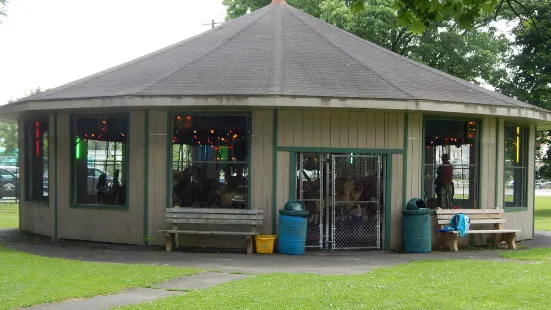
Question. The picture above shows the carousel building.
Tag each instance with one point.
(272, 106)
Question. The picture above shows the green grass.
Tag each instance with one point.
(9, 215)
(27, 279)
(542, 255)
(542, 213)
(451, 284)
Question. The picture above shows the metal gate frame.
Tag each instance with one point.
(335, 202)
(319, 200)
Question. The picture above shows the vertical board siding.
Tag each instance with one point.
(36, 217)
(396, 202)
(157, 177)
(282, 188)
(415, 152)
(340, 129)
(103, 225)
(488, 164)
(262, 161)
(500, 183)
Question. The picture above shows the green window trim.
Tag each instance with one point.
(522, 133)
(170, 148)
(126, 160)
(514, 209)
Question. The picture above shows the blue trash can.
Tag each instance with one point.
(291, 238)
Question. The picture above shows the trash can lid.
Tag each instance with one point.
(416, 212)
(416, 203)
(294, 213)
(294, 205)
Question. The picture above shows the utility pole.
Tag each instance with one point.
(213, 23)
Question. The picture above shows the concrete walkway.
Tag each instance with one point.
(138, 295)
(344, 262)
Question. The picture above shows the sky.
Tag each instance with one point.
(47, 43)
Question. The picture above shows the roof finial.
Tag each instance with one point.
(278, 1)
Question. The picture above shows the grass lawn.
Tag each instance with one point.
(27, 279)
(542, 213)
(450, 284)
(542, 255)
(9, 215)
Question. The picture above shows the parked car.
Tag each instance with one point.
(13, 169)
(93, 177)
(543, 184)
(9, 184)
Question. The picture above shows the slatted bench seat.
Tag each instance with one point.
(477, 217)
(176, 216)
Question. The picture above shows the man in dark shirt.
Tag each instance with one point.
(444, 180)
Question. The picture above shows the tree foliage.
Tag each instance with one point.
(472, 55)
(9, 135)
(3, 4)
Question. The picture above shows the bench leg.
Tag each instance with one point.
(510, 239)
(168, 242)
(249, 245)
(451, 239)
(497, 239)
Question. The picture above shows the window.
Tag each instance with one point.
(516, 164)
(37, 161)
(210, 161)
(451, 163)
(100, 154)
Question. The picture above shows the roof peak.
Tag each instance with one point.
(278, 1)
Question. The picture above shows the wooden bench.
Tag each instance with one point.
(477, 217)
(175, 216)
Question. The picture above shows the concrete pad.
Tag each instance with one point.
(129, 297)
(199, 281)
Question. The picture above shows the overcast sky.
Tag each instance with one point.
(47, 43)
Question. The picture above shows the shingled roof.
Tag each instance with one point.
(277, 51)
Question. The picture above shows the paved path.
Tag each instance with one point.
(346, 262)
(138, 295)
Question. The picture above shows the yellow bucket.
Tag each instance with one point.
(265, 244)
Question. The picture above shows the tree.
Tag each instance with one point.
(8, 138)
(3, 4)
(9, 134)
(471, 55)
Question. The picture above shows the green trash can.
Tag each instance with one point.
(416, 231)
(416, 203)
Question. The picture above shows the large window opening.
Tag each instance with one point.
(451, 163)
(210, 161)
(100, 154)
(516, 163)
(36, 133)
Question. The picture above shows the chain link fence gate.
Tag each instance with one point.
(356, 202)
(310, 192)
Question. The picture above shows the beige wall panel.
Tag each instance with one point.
(380, 121)
(362, 129)
(317, 129)
(500, 192)
(282, 188)
(396, 202)
(325, 128)
(488, 163)
(415, 149)
(353, 128)
(118, 226)
(308, 129)
(288, 127)
(371, 127)
(298, 129)
(157, 158)
(335, 129)
(343, 129)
